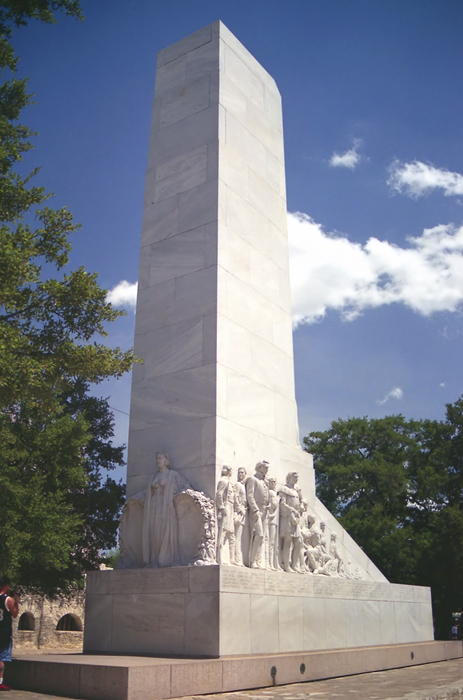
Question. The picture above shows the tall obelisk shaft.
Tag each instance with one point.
(213, 316)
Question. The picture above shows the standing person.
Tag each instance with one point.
(9, 608)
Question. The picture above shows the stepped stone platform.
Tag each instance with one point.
(97, 677)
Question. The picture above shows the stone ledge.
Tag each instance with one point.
(97, 677)
(214, 611)
(235, 579)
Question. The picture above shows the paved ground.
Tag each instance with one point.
(438, 681)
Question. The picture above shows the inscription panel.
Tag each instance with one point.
(238, 579)
(243, 580)
(328, 587)
(149, 581)
(289, 584)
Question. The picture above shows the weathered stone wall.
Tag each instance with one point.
(44, 616)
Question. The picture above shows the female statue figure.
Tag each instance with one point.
(160, 524)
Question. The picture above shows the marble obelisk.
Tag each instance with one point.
(213, 320)
(216, 394)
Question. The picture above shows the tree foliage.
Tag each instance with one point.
(397, 486)
(57, 509)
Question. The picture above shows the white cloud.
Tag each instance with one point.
(416, 179)
(349, 159)
(331, 272)
(328, 271)
(123, 294)
(395, 393)
(442, 385)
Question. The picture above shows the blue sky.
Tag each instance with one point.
(372, 101)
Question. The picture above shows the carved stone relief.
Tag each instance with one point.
(225, 505)
(168, 523)
(290, 529)
(273, 525)
(273, 528)
(240, 513)
(196, 513)
(252, 522)
(160, 520)
(258, 497)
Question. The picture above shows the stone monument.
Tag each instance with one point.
(225, 548)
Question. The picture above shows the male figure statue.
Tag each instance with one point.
(333, 565)
(290, 532)
(323, 558)
(225, 501)
(298, 561)
(310, 537)
(323, 541)
(240, 514)
(258, 502)
(338, 564)
(273, 523)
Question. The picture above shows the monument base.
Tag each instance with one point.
(142, 678)
(226, 610)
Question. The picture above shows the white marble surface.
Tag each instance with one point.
(348, 548)
(213, 323)
(228, 610)
(213, 319)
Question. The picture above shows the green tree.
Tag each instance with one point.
(396, 486)
(57, 510)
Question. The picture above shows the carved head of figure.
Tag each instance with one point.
(333, 537)
(262, 468)
(241, 474)
(162, 461)
(226, 471)
(291, 479)
(272, 483)
(322, 526)
(310, 520)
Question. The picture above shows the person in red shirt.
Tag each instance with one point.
(9, 608)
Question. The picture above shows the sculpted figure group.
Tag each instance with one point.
(273, 525)
(257, 523)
